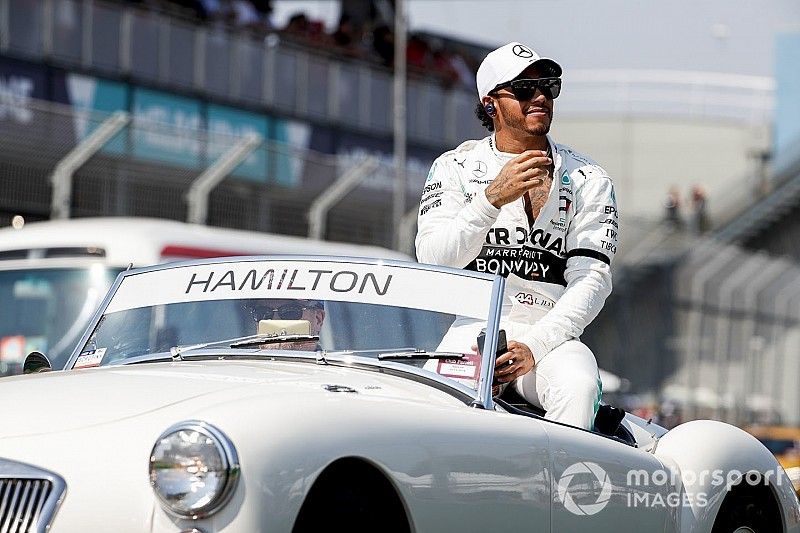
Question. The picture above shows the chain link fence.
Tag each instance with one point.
(147, 168)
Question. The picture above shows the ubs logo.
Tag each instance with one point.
(522, 51)
(480, 169)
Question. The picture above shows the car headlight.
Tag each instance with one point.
(193, 469)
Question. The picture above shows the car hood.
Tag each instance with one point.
(61, 401)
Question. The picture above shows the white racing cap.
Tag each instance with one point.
(506, 63)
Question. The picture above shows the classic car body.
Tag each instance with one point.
(371, 429)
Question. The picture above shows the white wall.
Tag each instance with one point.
(646, 156)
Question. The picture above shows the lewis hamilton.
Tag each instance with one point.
(538, 213)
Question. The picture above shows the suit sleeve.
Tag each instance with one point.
(451, 225)
(591, 244)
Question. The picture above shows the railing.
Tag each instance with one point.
(314, 84)
(669, 93)
(290, 80)
(133, 172)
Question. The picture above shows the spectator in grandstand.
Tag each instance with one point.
(243, 15)
(444, 67)
(263, 11)
(345, 35)
(700, 222)
(417, 53)
(383, 44)
(301, 28)
(297, 25)
(540, 214)
(465, 74)
(672, 208)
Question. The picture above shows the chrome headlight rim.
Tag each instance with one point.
(228, 454)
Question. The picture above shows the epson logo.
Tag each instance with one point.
(432, 187)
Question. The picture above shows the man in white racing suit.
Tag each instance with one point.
(541, 215)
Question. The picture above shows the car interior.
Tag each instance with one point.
(607, 422)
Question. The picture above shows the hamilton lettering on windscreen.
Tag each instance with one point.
(290, 280)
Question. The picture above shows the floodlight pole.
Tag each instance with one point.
(399, 104)
(318, 212)
(61, 178)
(201, 187)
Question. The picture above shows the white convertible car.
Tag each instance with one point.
(309, 394)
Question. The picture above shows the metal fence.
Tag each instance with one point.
(714, 335)
(120, 178)
(148, 47)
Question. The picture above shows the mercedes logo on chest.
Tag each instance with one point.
(522, 51)
(480, 169)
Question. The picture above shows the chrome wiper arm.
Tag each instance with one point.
(177, 351)
(258, 340)
(240, 342)
(419, 353)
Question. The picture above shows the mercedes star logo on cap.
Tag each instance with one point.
(522, 51)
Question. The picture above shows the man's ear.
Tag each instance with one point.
(489, 106)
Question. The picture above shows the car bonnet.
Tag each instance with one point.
(61, 401)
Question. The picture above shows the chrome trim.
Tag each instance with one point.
(98, 314)
(229, 456)
(41, 516)
(259, 258)
(492, 332)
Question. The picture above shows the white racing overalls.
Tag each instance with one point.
(558, 271)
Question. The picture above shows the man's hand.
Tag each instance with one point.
(526, 171)
(516, 362)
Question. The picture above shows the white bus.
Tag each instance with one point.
(54, 274)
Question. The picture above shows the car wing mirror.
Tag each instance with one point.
(36, 362)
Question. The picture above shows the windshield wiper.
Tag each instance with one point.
(258, 340)
(241, 342)
(419, 353)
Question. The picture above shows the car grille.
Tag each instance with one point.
(29, 497)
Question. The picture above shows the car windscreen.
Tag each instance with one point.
(426, 318)
(47, 309)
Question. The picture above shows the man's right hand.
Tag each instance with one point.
(526, 171)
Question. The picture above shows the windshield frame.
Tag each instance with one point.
(56, 264)
(482, 398)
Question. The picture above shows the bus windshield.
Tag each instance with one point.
(47, 309)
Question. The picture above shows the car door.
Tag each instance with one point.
(606, 485)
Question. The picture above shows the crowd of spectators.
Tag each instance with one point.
(364, 32)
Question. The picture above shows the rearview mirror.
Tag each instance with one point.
(36, 362)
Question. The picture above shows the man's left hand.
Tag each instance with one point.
(516, 362)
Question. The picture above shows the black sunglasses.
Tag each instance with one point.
(526, 89)
(290, 311)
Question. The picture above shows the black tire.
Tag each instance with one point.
(749, 509)
(352, 496)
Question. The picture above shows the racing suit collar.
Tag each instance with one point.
(509, 155)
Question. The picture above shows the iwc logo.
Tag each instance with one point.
(522, 51)
(480, 169)
(581, 470)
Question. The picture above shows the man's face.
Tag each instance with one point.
(531, 117)
(280, 309)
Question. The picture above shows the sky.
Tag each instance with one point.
(727, 36)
